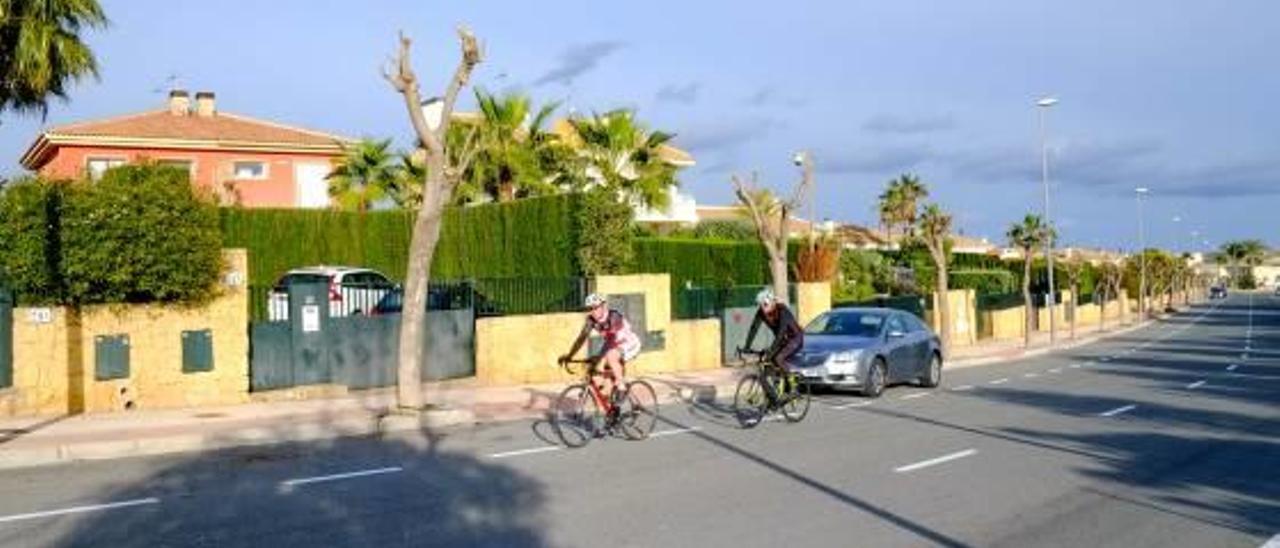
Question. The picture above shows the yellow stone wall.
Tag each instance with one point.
(54, 362)
(813, 298)
(1087, 314)
(39, 364)
(1060, 314)
(1009, 323)
(523, 349)
(964, 326)
(657, 295)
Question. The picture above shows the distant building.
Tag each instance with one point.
(244, 160)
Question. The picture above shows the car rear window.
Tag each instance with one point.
(295, 279)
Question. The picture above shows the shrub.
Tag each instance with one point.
(863, 274)
(30, 212)
(604, 233)
(140, 234)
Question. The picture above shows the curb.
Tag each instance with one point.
(1041, 351)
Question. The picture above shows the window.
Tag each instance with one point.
(914, 324)
(854, 324)
(98, 166)
(250, 170)
(184, 165)
(895, 325)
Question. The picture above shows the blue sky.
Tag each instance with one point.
(1175, 96)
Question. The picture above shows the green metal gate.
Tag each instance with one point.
(6, 337)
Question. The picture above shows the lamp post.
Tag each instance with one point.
(1042, 105)
(1140, 192)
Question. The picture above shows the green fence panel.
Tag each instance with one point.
(270, 356)
(734, 325)
(308, 316)
(197, 351)
(110, 357)
(6, 337)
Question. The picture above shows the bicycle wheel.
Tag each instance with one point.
(575, 416)
(638, 410)
(797, 405)
(749, 401)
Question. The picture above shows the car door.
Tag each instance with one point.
(898, 347)
(920, 336)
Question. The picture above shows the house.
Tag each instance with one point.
(243, 160)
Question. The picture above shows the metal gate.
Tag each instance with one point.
(6, 337)
(357, 351)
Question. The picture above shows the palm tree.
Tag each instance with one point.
(1028, 235)
(900, 201)
(934, 227)
(405, 187)
(363, 174)
(622, 155)
(41, 52)
(1243, 252)
(508, 162)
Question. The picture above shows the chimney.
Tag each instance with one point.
(179, 102)
(204, 104)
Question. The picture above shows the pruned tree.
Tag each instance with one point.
(770, 216)
(1111, 285)
(933, 226)
(444, 169)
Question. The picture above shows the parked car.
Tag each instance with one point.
(438, 298)
(352, 290)
(868, 349)
(1217, 292)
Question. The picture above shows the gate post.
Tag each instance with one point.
(6, 337)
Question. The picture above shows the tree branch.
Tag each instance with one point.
(471, 56)
(405, 81)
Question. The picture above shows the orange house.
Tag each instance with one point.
(244, 161)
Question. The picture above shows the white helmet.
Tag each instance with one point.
(593, 300)
(766, 297)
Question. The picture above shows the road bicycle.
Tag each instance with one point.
(765, 390)
(584, 411)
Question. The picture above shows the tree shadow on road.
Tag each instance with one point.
(239, 497)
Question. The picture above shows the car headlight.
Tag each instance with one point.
(849, 356)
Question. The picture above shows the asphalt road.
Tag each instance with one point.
(1166, 436)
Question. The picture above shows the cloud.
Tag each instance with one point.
(1074, 164)
(767, 96)
(576, 60)
(1235, 180)
(887, 123)
(725, 135)
(877, 160)
(686, 94)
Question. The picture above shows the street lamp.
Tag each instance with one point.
(1140, 192)
(804, 161)
(1042, 105)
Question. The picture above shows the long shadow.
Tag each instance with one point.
(930, 535)
(9, 434)
(238, 497)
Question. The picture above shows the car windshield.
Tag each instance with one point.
(855, 324)
(300, 278)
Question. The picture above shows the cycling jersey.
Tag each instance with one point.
(786, 330)
(616, 332)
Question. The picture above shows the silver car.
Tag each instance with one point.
(868, 349)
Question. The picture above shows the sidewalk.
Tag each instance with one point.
(47, 440)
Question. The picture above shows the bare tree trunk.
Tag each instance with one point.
(778, 271)
(944, 302)
(443, 173)
(1028, 306)
(1102, 309)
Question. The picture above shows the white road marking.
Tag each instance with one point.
(1031, 375)
(1252, 376)
(675, 431)
(1075, 366)
(914, 396)
(1244, 356)
(1118, 411)
(519, 452)
(1232, 367)
(852, 405)
(962, 388)
(939, 460)
(80, 509)
(1000, 381)
(1056, 370)
(291, 483)
(1106, 358)
(1195, 385)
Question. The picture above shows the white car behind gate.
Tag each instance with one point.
(352, 290)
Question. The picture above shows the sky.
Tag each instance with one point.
(1179, 97)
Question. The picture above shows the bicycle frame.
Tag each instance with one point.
(589, 376)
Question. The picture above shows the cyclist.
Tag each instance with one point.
(788, 336)
(621, 344)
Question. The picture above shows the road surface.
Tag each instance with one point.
(1165, 436)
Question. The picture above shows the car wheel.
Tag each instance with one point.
(877, 377)
(933, 376)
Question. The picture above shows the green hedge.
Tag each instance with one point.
(984, 281)
(529, 238)
(703, 263)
